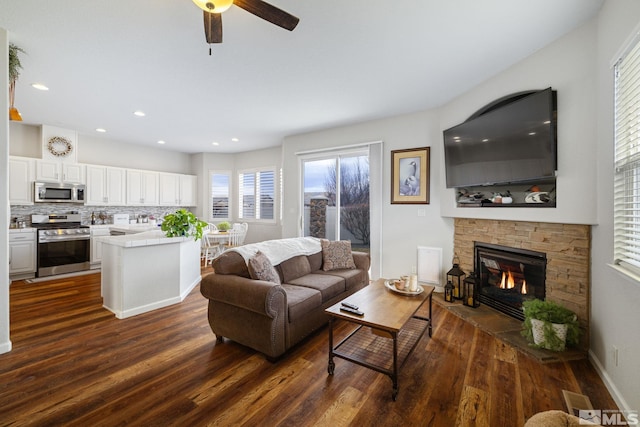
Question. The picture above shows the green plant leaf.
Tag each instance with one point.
(183, 223)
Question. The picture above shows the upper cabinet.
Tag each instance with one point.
(59, 156)
(105, 186)
(21, 175)
(52, 171)
(177, 189)
(142, 188)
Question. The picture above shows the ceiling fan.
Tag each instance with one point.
(214, 8)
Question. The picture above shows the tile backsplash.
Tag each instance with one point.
(24, 212)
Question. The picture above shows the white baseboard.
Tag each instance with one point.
(615, 393)
(5, 347)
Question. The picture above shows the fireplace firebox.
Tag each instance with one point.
(508, 276)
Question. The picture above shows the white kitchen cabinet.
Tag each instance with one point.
(142, 188)
(51, 171)
(177, 189)
(96, 244)
(22, 252)
(21, 176)
(188, 186)
(105, 186)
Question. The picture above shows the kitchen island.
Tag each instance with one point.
(146, 271)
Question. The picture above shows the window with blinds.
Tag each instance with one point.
(219, 196)
(256, 198)
(627, 161)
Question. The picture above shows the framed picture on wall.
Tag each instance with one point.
(410, 176)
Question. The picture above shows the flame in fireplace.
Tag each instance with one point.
(507, 281)
(523, 289)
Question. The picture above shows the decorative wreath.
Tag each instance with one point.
(59, 146)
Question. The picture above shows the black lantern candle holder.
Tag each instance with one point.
(470, 296)
(448, 292)
(456, 277)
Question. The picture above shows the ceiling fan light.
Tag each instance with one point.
(14, 114)
(213, 6)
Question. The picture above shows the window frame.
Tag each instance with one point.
(229, 175)
(626, 182)
(239, 193)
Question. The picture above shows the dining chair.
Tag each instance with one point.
(210, 248)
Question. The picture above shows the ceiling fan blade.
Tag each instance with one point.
(213, 27)
(269, 13)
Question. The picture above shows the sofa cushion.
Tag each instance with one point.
(352, 278)
(328, 285)
(301, 301)
(315, 261)
(260, 268)
(294, 267)
(336, 255)
(230, 262)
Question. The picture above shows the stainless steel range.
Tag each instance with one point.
(64, 244)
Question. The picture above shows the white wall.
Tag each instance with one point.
(615, 299)
(5, 342)
(403, 229)
(568, 66)
(205, 162)
(25, 141)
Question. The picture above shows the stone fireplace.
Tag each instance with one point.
(509, 276)
(567, 248)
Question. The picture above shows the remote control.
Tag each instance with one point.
(347, 304)
(352, 311)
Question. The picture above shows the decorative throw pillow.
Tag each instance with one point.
(336, 255)
(260, 268)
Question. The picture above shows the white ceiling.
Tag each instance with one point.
(347, 61)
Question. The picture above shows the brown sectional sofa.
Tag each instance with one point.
(270, 317)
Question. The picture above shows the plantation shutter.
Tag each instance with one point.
(257, 192)
(627, 161)
(266, 192)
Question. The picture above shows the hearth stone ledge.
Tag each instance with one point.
(567, 246)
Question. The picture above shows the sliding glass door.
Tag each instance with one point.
(336, 197)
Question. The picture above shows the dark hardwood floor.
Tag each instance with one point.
(74, 364)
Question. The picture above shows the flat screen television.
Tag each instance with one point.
(509, 141)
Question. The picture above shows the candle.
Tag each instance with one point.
(470, 301)
(455, 292)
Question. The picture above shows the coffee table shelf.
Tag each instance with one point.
(386, 334)
(367, 347)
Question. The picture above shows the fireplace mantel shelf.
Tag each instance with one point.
(506, 205)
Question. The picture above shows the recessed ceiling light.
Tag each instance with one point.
(531, 133)
(485, 140)
(215, 143)
(101, 130)
(235, 139)
(39, 86)
(139, 113)
(161, 142)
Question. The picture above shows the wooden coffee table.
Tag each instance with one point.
(386, 334)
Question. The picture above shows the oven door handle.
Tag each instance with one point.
(51, 239)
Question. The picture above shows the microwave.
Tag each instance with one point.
(48, 192)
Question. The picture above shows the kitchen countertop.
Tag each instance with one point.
(22, 230)
(146, 238)
(133, 228)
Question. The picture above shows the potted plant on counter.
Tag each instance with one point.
(549, 325)
(183, 223)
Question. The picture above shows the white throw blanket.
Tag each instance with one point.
(280, 249)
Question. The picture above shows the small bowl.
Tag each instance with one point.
(399, 284)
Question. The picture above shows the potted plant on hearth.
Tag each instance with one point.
(549, 325)
(183, 223)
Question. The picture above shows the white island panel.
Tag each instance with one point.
(143, 273)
